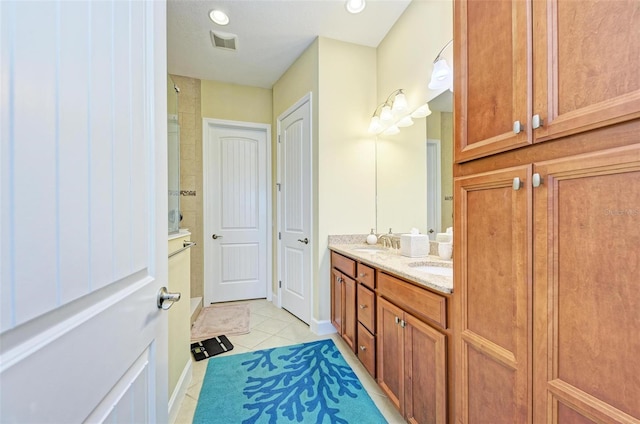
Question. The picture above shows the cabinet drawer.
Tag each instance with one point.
(420, 302)
(367, 308)
(367, 350)
(367, 276)
(346, 265)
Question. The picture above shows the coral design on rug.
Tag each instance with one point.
(305, 383)
(304, 389)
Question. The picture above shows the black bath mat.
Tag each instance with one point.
(210, 347)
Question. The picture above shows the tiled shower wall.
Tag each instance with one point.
(190, 120)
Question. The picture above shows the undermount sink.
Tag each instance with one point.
(444, 270)
(371, 249)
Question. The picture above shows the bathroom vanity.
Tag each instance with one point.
(394, 312)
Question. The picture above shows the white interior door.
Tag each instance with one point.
(295, 247)
(84, 212)
(434, 183)
(237, 175)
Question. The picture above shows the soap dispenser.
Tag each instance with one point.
(371, 238)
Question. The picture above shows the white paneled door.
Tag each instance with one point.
(294, 209)
(84, 211)
(236, 175)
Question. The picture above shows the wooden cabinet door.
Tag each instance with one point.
(390, 355)
(586, 62)
(492, 76)
(587, 293)
(336, 299)
(425, 383)
(492, 278)
(349, 319)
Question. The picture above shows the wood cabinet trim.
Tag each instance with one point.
(344, 264)
(424, 304)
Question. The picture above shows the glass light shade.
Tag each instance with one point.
(219, 17)
(392, 130)
(355, 6)
(385, 114)
(440, 75)
(374, 126)
(421, 112)
(405, 122)
(400, 103)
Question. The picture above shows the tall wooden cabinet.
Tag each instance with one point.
(547, 213)
(528, 72)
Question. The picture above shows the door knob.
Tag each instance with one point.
(166, 299)
(215, 236)
(305, 241)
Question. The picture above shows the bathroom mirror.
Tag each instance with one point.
(414, 173)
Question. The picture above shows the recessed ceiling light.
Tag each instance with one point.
(220, 18)
(355, 6)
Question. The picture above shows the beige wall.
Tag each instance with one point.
(346, 151)
(301, 78)
(405, 60)
(190, 120)
(236, 102)
(208, 99)
(341, 77)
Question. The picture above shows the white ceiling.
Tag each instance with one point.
(271, 35)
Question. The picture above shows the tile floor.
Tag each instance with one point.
(273, 327)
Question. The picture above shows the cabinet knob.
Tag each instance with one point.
(397, 320)
(363, 348)
(517, 183)
(363, 306)
(517, 127)
(362, 274)
(536, 180)
(536, 122)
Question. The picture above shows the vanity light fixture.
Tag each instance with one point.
(394, 114)
(219, 17)
(441, 77)
(355, 6)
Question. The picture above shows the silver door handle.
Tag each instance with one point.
(166, 299)
(215, 236)
(305, 241)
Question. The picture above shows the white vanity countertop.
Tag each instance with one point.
(182, 233)
(392, 261)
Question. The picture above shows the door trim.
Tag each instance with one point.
(307, 98)
(207, 213)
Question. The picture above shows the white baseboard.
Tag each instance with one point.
(322, 327)
(180, 391)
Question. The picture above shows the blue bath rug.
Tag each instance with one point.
(304, 383)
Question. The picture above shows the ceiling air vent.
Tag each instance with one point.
(224, 40)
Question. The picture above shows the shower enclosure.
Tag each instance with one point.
(173, 143)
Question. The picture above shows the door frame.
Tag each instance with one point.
(307, 98)
(207, 213)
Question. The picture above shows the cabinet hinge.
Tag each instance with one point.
(279, 235)
(278, 185)
(279, 284)
(278, 138)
